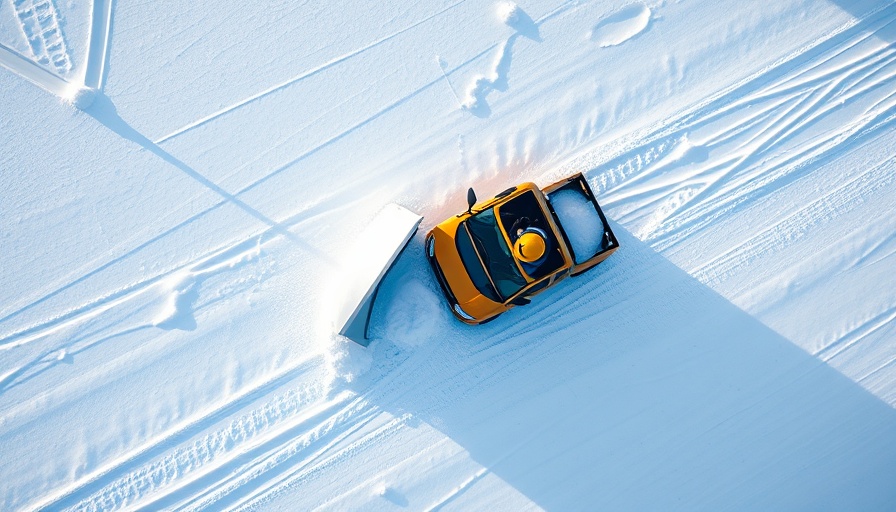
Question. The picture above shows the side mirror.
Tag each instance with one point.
(471, 200)
(520, 301)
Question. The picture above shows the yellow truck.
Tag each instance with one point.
(501, 252)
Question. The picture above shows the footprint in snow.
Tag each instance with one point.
(622, 25)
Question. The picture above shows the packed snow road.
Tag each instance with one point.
(172, 249)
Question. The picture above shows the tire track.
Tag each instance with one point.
(327, 423)
(287, 465)
(857, 334)
(674, 206)
(796, 225)
(39, 22)
(290, 415)
(290, 463)
(760, 85)
(130, 463)
(217, 260)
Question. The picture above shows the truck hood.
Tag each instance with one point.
(451, 271)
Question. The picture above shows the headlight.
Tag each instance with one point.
(431, 246)
(462, 313)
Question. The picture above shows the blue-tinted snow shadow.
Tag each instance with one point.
(870, 11)
(104, 111)
(636, 387)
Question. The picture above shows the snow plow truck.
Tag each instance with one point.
(500, 253)
(495, 256)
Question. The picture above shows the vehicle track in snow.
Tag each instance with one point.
(221, 259)
(51, 61)
(746, 146)
(39, 21)
(858, 333)
(201, 475)
(144, 472)
(796, 225)
(285, 424)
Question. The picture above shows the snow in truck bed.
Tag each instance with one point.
(580, 221)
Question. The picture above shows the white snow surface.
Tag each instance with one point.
(171, 249)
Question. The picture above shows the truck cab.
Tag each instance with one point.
(476, 257)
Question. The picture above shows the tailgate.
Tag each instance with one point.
(582, 223)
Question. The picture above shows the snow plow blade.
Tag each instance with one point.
(374, 253)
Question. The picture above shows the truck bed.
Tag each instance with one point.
(581, 221)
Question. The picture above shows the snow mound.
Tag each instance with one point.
(391, 494)
(178, 311)
(80, 97)
(347, 361)
(482, 85)
(580, 221)
(621, 25)
(508, 13)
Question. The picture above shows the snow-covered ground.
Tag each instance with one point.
(180, 183)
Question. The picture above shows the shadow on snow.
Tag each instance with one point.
(637, 387)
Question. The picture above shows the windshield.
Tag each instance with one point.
(474, 268)
(495, 253)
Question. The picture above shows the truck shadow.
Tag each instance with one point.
(637, 387)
